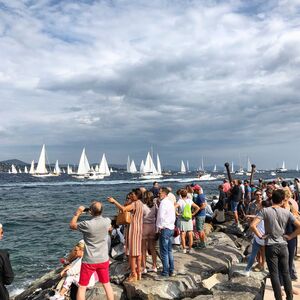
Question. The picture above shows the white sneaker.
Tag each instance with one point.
(184, 251)
(145, 271)
(57, 296)
(245, 273)
(153, 270)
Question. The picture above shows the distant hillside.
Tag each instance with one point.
(6, 164)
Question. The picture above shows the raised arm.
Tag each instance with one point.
(119, 206)
(73, 223)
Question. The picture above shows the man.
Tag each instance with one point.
(95, 259)
(199, 199)
(275, 220)
(155, 189)
(6, 272)
(235, 198)
(165, 225)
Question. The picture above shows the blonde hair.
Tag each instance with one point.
(287, 193)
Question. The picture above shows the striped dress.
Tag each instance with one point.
(134, 239)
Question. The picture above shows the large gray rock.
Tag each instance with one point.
(119, 271)
(97, 292)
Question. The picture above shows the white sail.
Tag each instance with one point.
(215, 169)
(132, 168)
(57, 169)
(97, 168)
(182, 168)
(25, 170)
(158, 165)
(103, 168)
(9, 171)
(187, 166)
(84, 166)
(297, 168)
(92, 169)
(128, 164)
(232, 167)
(14, 169)
(149, 165)
(69, 170)
(111, 170)
(20, 171)
(142, 166)
(283, 165)
(249, 165)
(64, 171)
(41, 167)
(32, 171)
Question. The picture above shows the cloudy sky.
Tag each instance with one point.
(190, 78)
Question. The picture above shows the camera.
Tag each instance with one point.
(87, 209)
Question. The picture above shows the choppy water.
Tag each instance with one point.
(36, 213)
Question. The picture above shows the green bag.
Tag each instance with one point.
(187, 212)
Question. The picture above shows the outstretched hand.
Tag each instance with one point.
(111, 200)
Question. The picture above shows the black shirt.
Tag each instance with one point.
(6, 274)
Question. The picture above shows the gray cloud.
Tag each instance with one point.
(190, 78)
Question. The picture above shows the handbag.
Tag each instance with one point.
(123, 218)
(176, 232)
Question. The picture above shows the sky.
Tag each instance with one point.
(218, 79)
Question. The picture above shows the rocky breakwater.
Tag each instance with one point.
(211, 273)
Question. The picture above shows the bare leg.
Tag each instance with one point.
(81, 293)
(138, 264)
(132, 262)
(108, 291)
(236, 217)
(190, 235)
(144, 249)
(182, 236)
(153, 252)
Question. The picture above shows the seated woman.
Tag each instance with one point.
(72, 272)
(218, 216)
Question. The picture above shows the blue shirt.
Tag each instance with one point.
(199, 200)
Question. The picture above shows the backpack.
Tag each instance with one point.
(187, 212)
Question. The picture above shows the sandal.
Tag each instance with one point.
(132, 278)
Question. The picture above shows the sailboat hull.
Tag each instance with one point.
(43, 175)
(151, 176)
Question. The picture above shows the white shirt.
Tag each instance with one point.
(166, 214)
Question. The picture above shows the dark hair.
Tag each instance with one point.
(189, 189)
(148, 199)
(278, 196)
(165, 190)
(138, 193)
(154, 183)
(183, 193)
(220, 205)
(96, 208)
(284, 184)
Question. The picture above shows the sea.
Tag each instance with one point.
(36, 212)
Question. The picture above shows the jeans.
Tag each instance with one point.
(255, 249)
(277, 257)
(166, 254)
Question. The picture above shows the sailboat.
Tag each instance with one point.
(142, 166)
(283, 169)
(83, 167)
(57, 170)
(41, 170)
(249, 168)
(14, 169)
(187, 166)
(128, 165)
(215, 169)
(103, 168)
(20, 171)
(69, 170)
(159, 172)
(150, 171)
(32, 171)
(25, 170)
(232, 168)
(132, 168)
(297, 168)
(182, 168)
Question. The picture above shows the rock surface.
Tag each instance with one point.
(211, 273)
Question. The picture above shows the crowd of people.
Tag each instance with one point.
(270, 210)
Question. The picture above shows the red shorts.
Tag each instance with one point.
(87, 271)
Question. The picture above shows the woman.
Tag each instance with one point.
(134, 237)
(149, 230)
(218, 216)
(185, 205)
(72, 272)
